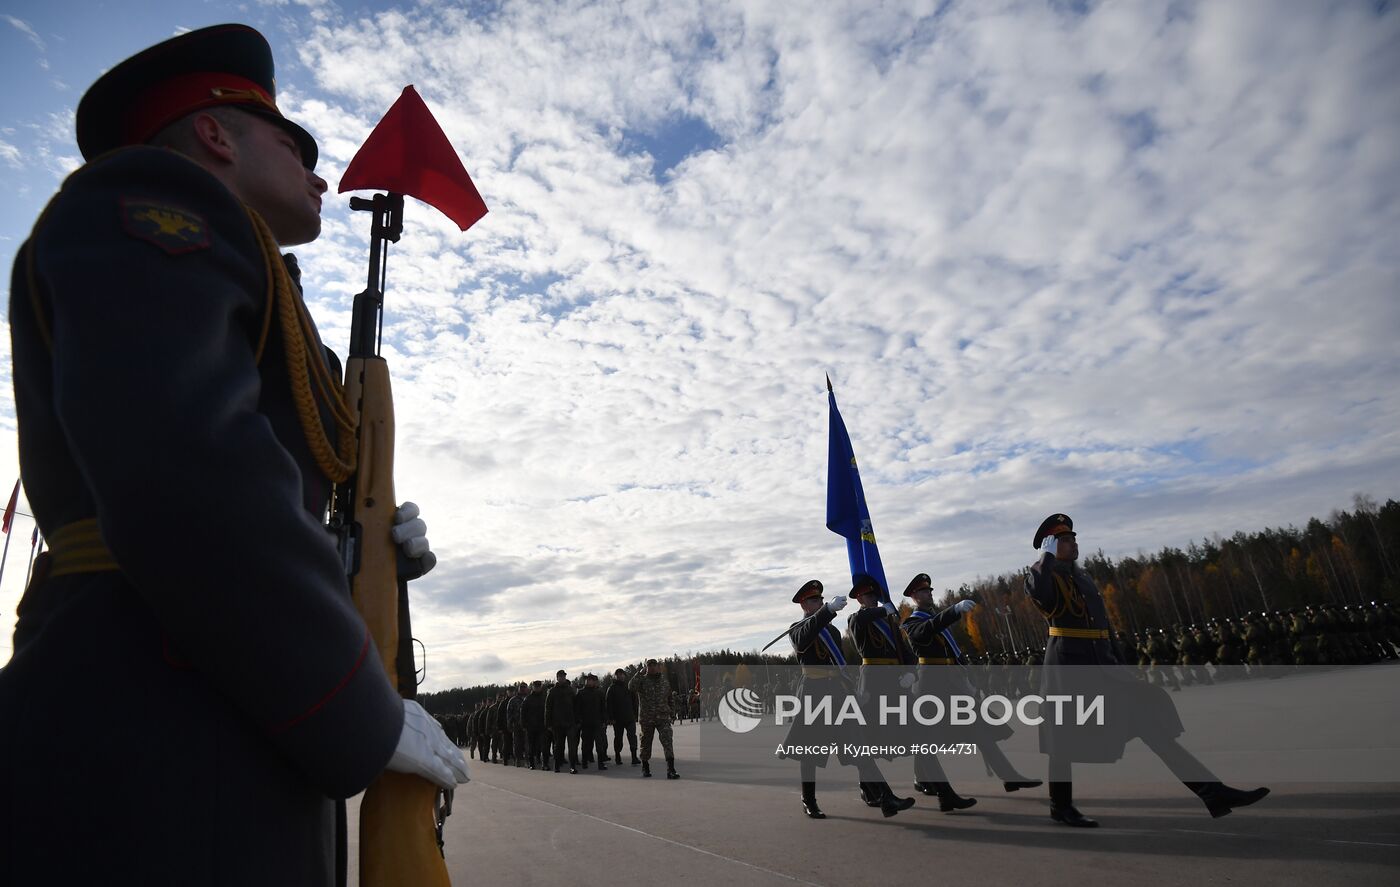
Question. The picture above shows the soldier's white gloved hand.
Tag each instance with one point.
(964, 606)
(906, 680)
(890, 608)
(411, 533)
(424, 750)
(837, 604)
(1048, 545)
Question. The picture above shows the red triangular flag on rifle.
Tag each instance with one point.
(10, 510)
(408, 153)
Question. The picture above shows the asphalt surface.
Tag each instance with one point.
(514, 826)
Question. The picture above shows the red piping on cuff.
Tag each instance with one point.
(280, 728)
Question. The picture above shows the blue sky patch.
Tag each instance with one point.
(670, 142)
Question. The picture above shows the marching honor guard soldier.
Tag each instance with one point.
(180, 428)
(941, 674)
(817, 644)
(1078, 623)
(875, 632)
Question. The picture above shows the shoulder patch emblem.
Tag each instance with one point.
(172, 229)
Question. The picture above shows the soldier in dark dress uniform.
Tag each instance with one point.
(588, 711)
(941, 674)
(817, 644)
(1079, 636)
(532, 718)
(191, 588)
(621, 708)
(559, 717)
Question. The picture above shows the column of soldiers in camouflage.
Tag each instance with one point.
(563, 726)
(1325, 634)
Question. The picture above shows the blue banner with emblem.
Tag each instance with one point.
(847, 513)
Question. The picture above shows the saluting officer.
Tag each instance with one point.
(180, 427)
(941, 674)
(1078, 623)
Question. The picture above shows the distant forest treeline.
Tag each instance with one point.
(1351, 558)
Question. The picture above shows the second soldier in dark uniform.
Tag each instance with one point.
(941, 674)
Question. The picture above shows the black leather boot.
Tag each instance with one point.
(889, 804)
(1012, 785)
(949, 800)
(1062, 806)
(870, 794)
(646, 768)
(617, 758)
(1070, 816)
(1220, 799)
(925, 788)
(809, 801)
(671, 769)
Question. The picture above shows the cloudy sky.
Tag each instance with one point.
(1134, 261)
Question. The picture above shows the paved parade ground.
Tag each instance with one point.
(519, 827)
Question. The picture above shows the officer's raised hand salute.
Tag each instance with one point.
(167, 373)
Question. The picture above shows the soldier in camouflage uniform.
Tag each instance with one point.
(515, 724)
(1202, 651)
(654, 698)
(1160, 656)
(1256, 642)
(1281, 636)
(1390, 625)
(1301, 638)
(1374, 620)
(1230, 650)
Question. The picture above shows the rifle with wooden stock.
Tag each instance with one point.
(401, 815)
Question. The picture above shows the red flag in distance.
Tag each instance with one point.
(408, 153)
(10, 510)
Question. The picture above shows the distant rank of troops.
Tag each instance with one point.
(566, 723)
(1177, 656)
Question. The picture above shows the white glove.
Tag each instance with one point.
(906, 680)
(1048, 546)
(837, 604)
(890, 608)
(964, 606)
(424, 750)
(411, 534)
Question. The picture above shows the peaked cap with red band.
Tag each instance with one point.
(863, 582)
(811, 588)
(918, 583)
(1054, 525)
(220, 66)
